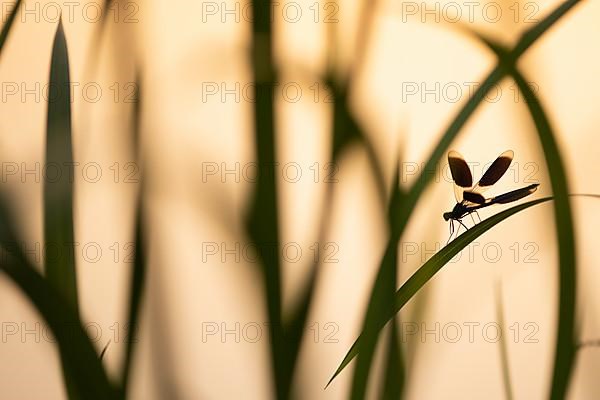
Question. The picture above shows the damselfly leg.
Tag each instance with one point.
(451, 231)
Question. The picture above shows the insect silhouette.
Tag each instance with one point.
(469, 198)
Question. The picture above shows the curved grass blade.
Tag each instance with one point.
(428, 270)
(79, 358)
(393, 384)
(138, 278)
(78, 355)
(526, 41)
(565, 342)
(530, 36)
(503, 346)
(402, 210)
(394, 379)
(410, 200)
(566, 339)
(8, 24)
(435, 263)
(380, 304)
(138, 274)
(58, 190)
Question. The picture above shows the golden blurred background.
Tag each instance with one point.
(204, 328)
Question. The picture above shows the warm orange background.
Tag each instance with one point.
(180, 54)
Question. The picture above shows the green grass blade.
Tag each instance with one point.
(401, 211)
(438, 260)
(565, 342)
(531, 35)
(8, 24)
(138, 279)
(404, 210)
(380, 303)
(503, 345)
(427, 271)
(78, 355)
(58, 191)
(138, 273)
(262, 223)
(394, 378)
(393, 384)
(566, 339)
(526, 41)
(379, 307)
